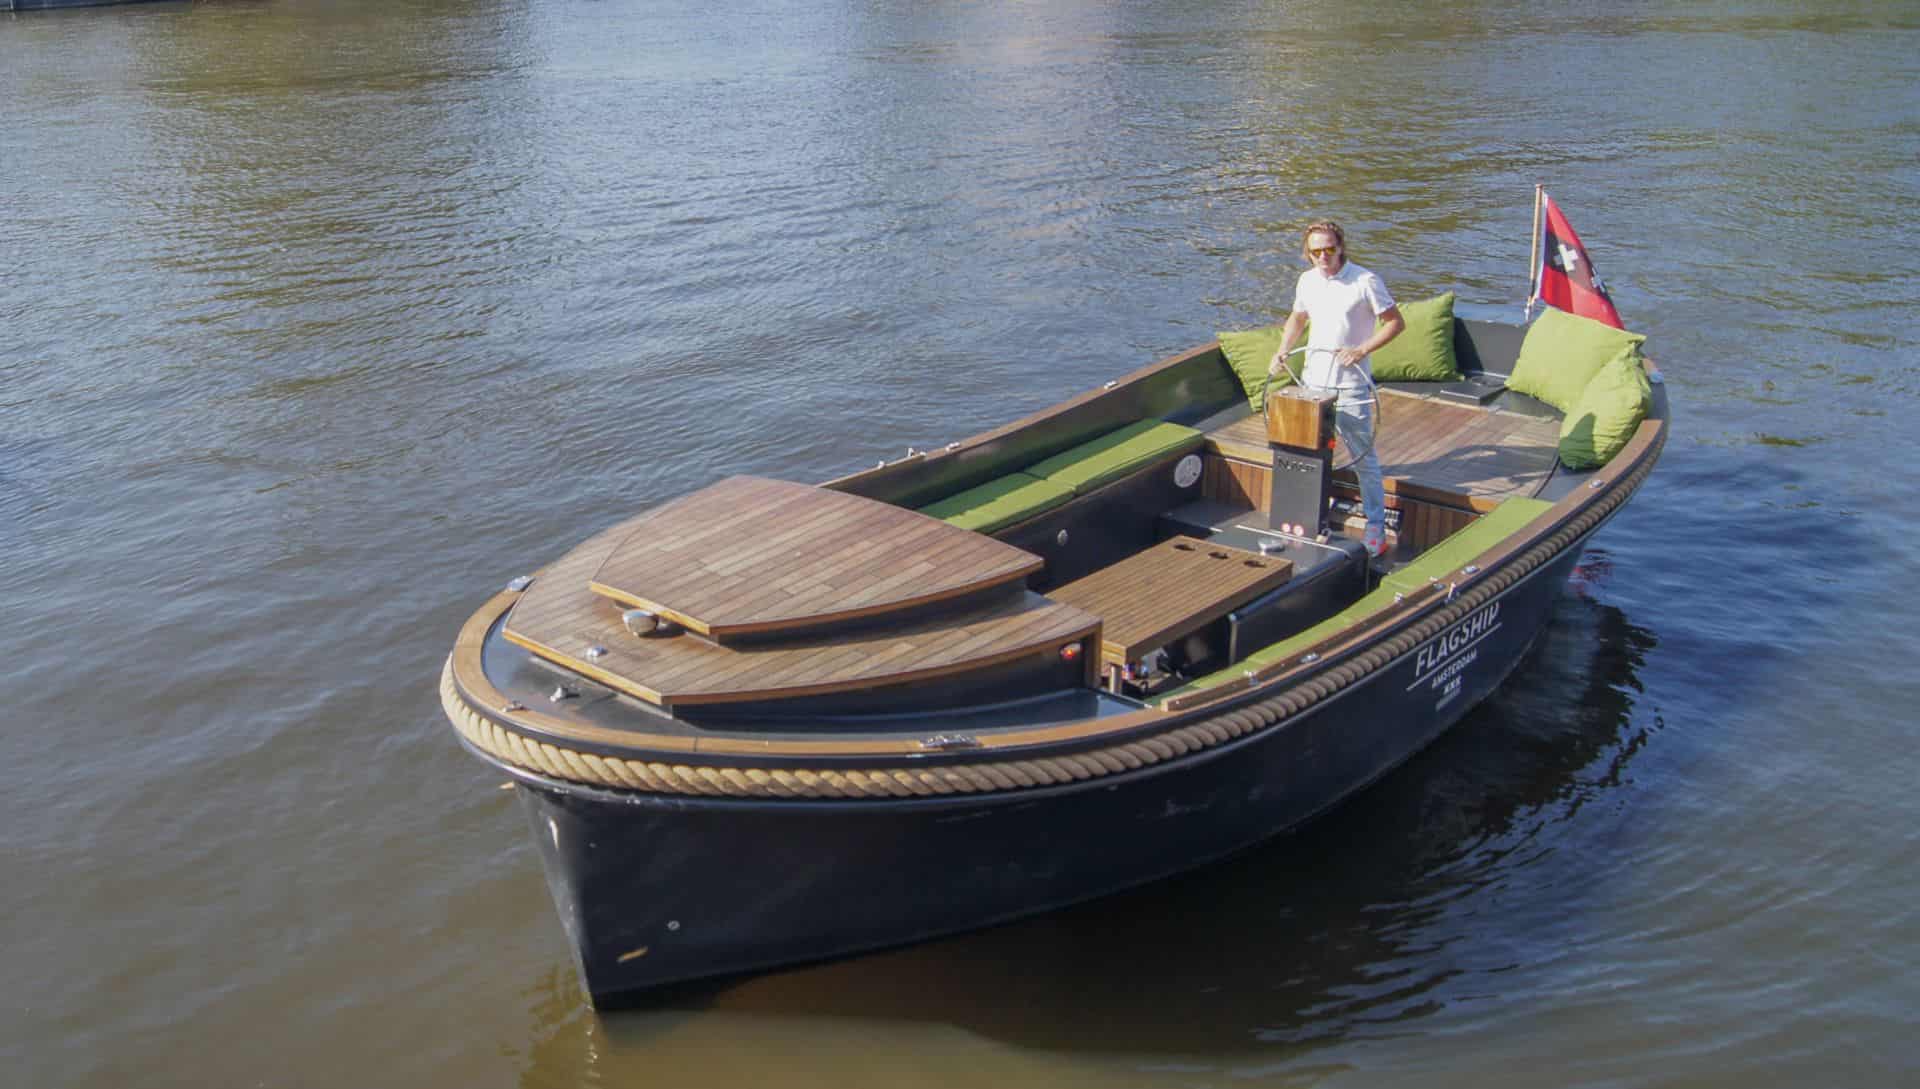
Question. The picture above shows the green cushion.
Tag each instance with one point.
(1248, 353)
(1116, 454)
(1423, 352)
(1372, 603)
(1465, 543)
(1607, 413)
(1001, 502)
(1562, 352)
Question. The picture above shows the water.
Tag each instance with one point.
(317, 322)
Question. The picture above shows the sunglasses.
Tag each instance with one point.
(1324, 251)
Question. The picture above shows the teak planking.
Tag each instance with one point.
(1298, 418)
(1461, 452)
(560, 618)
(1169, 590)
(752, 556)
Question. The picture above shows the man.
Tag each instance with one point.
(1351, 315)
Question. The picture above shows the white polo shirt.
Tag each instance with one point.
(1342, 308)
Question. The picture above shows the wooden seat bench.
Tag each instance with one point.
(1164, 593)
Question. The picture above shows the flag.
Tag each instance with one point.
(1567, 279)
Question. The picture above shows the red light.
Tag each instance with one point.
(1070, 652)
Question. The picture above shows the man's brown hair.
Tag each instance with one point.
(1324, 227)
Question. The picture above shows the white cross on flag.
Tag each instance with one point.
(1567, 279)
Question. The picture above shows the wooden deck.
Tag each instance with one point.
(752, 556)
(562, 619)
(1488, 453)
(790, 590)
(1154, 597)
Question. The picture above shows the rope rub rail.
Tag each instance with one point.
(903, 781)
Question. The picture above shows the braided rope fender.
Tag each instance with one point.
(658, 777)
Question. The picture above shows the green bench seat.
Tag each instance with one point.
(1465, 543)
(1000, 502)
(1041, 487)
(1115, 454)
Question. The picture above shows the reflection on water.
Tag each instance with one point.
(1380, 913)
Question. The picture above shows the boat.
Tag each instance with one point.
(770, 722)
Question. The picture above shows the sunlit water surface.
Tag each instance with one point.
(319, 321)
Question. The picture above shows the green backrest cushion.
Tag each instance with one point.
(1606, 414)
(1116, 454)
(1562, 352)
(1423, 352)
(1019, 496)
(1248, 352)
(1000, 502)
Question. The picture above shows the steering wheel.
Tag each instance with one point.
(1353, 443)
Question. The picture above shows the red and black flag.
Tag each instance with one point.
(1566, 277)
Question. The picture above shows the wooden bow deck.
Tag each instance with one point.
(765, 558)
(753, 556)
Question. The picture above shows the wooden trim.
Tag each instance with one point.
(631, 687)
(566, 619)
(818, 623)
(1425, 493)
(471, 680)
(1234, 482)
(1299, 418)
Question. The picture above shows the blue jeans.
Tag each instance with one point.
(1357, 420)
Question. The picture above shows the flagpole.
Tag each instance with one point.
(1533, 254)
